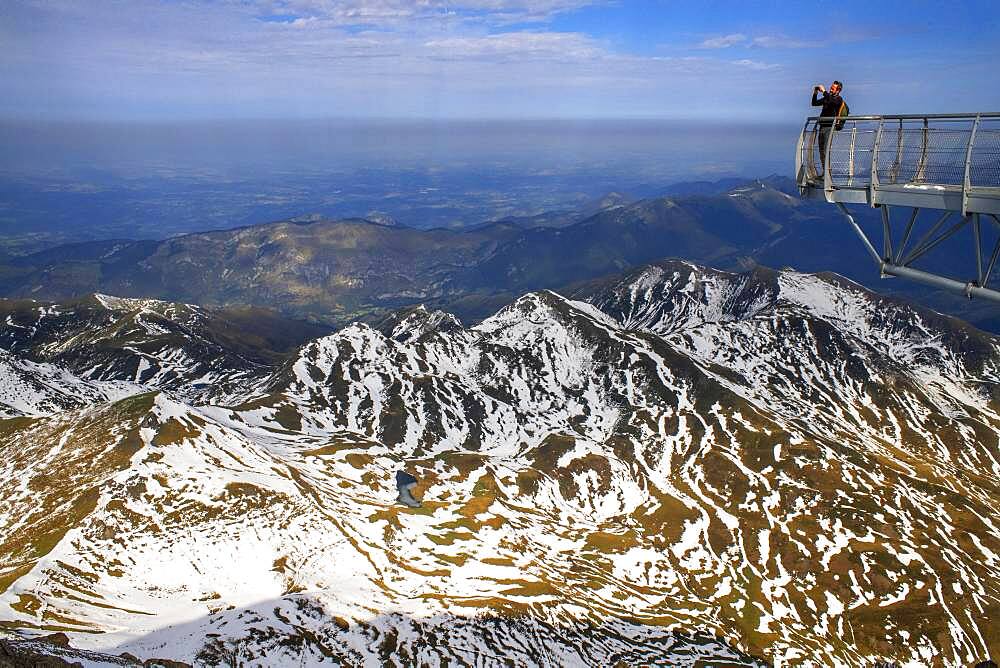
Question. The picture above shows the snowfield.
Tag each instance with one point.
(679, 467)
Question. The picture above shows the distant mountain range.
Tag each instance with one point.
(672, 466)
(333, 272)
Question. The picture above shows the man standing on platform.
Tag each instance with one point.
(833, 106)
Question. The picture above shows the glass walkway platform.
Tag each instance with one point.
(944, 162)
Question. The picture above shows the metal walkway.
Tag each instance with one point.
(944, 162)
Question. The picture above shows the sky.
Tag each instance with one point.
(166, 60)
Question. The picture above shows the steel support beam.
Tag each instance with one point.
(977, 243)
(989, 268)
(921, 173)
(906, 235)
(927, 236)
(873, 174)
(898, 162)
(886, 235)
(920, 252)
(968, 289)
(967, 181)
(889, 268)
(860, 232)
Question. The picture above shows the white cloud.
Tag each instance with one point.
(158, 59)
(781, 42)
(755, 64)
(724, 41)
(392, 13)
(770, 41)
(519, 46)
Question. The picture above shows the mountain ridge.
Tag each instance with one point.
(691, 464)
(168, 345)
(333, 272)
(364, 268)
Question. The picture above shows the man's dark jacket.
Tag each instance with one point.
(830, 102)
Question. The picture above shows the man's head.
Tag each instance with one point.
(836, 87)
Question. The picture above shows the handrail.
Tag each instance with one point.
(874, 154)
(911, 117)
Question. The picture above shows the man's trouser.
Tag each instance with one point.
(824, 135)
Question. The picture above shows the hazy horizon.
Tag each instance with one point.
(63, 182)
(365, 137)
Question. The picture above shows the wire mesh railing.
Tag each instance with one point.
(946, 151)
(944, 162)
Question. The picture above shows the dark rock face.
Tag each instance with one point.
(52, 651)
(59, 639)
(55, 651)
(15, 655)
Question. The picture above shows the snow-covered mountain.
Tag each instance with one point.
(198, 354)
(678, 467)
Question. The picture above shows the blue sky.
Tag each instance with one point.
(189, 59)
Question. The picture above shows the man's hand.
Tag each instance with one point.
(820, 88)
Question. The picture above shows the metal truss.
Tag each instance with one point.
(944, 162)
(897, 260)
